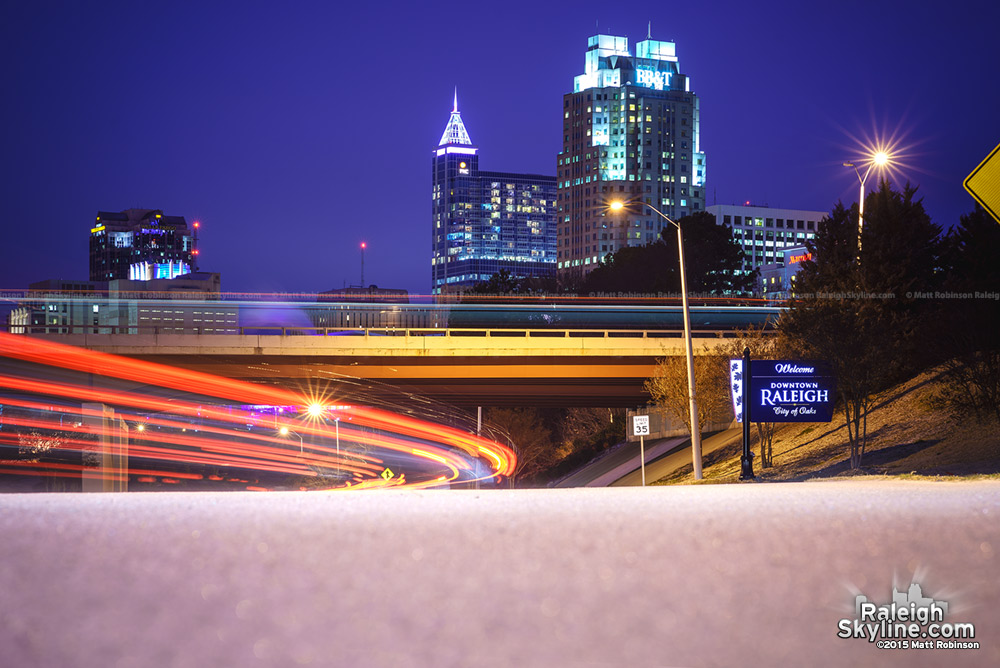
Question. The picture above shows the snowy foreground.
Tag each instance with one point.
(753, 574)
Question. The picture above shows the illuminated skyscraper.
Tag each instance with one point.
(631, 132)
(141, 245)
(484, 222)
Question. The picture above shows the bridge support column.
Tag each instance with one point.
(109, 458)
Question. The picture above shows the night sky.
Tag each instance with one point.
(295, 130)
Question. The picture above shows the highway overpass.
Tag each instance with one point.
(462, 354)
(459, 366)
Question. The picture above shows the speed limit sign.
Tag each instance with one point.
(640, 425)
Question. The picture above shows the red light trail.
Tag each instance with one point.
(169, 438)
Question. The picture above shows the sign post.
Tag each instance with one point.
(746, 462)
(640, 428)
(779, 391)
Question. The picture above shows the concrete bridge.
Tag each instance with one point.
(489, 367)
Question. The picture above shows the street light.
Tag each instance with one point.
(317, 411)
(285, 431)
(878, 159)
(336, 422)
(693, 404)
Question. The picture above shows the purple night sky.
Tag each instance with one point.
(293, 131)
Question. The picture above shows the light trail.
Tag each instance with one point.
(237, 455)
(46, 419)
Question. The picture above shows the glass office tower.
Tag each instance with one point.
(484, 222)
(631, 132)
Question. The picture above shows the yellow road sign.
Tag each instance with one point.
(984, 183)
(388, 475)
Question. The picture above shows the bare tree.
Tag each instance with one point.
(35, 444)
(527, 432)
(584, 423)
(973, 383)
(669, 388)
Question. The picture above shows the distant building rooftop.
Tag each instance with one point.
(371, 294)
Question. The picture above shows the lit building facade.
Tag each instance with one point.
(186, 305)
(631, 132)
(765, 232)
(140, 245)
(484, 222)
(777, 280)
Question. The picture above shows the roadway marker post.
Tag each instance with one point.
(640, 427)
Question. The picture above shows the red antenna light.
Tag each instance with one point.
(364, 245)
(194, 246)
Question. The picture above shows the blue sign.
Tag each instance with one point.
(791, 391)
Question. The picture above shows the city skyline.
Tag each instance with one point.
(293, 139)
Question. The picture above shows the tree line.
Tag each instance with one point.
(902, 297)
(899, 298)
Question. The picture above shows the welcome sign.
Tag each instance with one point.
(791, 391)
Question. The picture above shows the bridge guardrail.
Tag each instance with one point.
(48, 330)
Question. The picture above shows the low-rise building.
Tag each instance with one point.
(765, 233)
(188, 304)
(777, 280)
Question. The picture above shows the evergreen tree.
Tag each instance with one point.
(970, 314)
(862, 309)
(712, 259)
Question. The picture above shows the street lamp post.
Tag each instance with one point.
(693, 403)
(336, 422)
(285, 431)
(318, 411)
(879, 159)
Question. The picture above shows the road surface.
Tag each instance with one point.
(621, 461)
(668, 462)
(709, 575)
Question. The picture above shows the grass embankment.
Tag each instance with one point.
(912, 434)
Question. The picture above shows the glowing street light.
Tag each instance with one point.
(693, 404)
(317, 411)
(285, 431)
(878, 159)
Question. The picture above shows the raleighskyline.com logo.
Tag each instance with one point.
(909, 621)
